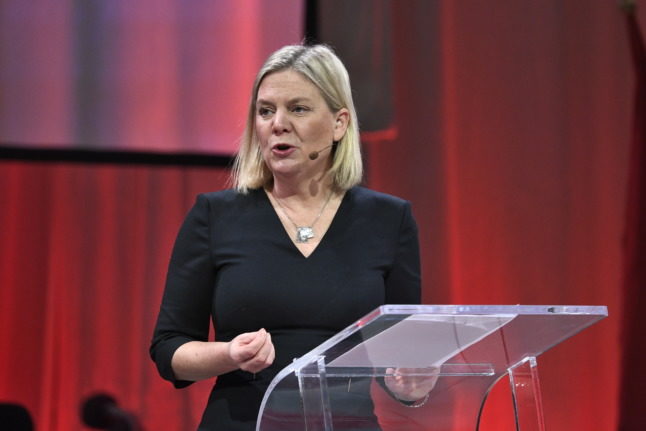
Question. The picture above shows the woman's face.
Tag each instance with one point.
(293, 120)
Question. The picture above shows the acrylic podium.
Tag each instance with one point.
(340, 384)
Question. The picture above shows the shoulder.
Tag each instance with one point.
(229, 197)
(228, 207)
(380, 208)
(372, 198)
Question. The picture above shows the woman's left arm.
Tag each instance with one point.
(403, 280)
(403, 286)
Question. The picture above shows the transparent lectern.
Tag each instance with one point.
(340, 385)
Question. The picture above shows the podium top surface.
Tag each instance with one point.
(417, 336)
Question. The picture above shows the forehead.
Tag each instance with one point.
(287, 84)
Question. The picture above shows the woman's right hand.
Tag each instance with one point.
(252, 351)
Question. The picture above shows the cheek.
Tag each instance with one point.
(321, 131)
(261, 132)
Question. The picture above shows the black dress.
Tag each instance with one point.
(234, 262)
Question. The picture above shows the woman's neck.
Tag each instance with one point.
(313, 189)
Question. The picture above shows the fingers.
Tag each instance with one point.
(252, 351)
(250, 343)
(410, 384)
(262, 359)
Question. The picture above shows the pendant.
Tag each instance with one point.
(303, 234)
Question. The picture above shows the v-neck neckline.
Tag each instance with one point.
(285, 233)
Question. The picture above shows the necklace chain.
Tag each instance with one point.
(304, 233)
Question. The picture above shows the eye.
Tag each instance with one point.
(264, 111)
(300, 109)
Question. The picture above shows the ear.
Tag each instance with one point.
(341, 121)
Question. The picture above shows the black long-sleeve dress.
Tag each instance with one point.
(234, 262)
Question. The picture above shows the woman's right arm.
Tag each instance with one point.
(180, 346)
(197, 360)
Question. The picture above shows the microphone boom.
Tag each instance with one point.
(315, 154)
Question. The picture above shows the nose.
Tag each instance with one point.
(280, 122)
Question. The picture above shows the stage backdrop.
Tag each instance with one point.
(148, 75)
(510, 135)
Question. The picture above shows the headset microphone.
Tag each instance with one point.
(315, 154)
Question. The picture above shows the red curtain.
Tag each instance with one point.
(512, 123)
(634, 297)
(83, 255)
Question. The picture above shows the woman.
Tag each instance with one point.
(290, 256)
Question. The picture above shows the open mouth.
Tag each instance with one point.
(281, 147)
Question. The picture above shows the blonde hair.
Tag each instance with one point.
(322, 67)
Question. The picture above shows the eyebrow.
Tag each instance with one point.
(289, 102)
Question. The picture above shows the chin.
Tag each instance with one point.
(283, 168)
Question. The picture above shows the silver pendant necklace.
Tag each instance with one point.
(304, 233)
